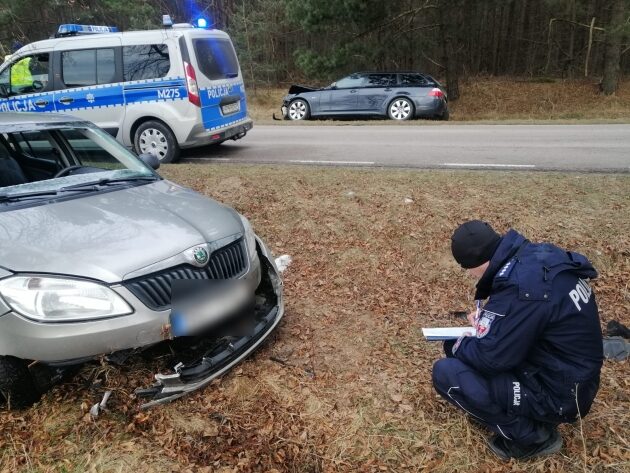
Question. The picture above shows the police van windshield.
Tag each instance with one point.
(51, 159)
(216, 58)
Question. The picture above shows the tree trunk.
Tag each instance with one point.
(448, 22)
(612, 52)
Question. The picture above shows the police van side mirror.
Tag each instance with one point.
(4, 91)
(150, 160)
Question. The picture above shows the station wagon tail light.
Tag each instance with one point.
(435, 92)
(191, 84)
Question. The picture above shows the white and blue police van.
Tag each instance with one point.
(157, 91)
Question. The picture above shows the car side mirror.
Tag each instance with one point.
(150, 160)
(4, 91)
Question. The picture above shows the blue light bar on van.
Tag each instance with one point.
(72, 29)
(201, 23)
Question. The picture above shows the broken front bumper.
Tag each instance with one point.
(226, 350)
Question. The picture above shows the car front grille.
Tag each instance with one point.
(154, 290)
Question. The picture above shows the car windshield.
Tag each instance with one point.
(46, 161)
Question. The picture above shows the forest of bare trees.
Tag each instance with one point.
(282, 41)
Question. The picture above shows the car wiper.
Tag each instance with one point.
(26, 195)
(106, 181)
(83, 187)
(231, 75)
(95, 185)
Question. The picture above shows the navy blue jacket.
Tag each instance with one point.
(540, 321)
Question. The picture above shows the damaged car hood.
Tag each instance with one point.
(299, 89)
(108, 235)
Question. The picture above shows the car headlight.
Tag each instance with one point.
(49, 299)
(250, 237)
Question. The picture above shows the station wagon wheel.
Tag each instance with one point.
(400, 109)
(156, 138)
(298, 110)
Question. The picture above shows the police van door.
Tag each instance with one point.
(214, 64)
(88, 81)
(26, 85)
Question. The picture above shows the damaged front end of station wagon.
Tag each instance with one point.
(101, 258)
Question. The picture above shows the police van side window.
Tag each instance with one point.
(26, 75)
(142, 62)
(87, 67)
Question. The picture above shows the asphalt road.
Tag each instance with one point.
(603, 148)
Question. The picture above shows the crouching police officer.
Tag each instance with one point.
(536, 357)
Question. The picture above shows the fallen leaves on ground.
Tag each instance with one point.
(345, 383)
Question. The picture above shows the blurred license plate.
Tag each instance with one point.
(231, 108)
(198, 304)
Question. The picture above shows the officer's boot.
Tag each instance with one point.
(506, 449)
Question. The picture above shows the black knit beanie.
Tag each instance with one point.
(473, 243)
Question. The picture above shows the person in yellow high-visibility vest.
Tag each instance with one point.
(21, 77)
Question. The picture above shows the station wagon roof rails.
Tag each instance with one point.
(75, 30)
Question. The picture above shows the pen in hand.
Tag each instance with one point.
(473, 317)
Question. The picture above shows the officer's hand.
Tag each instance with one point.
(448, 348)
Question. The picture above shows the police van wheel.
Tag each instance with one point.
(156, 138)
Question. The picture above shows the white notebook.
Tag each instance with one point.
(445, 333)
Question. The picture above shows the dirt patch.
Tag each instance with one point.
(344, 384)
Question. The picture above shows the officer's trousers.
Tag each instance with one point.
(485, 400)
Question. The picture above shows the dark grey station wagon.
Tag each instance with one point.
(397, 95)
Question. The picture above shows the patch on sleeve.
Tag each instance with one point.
(505, 271)
(485, 322)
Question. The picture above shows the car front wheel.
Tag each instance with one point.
(16, 383)
(400, 109)
(298, 110)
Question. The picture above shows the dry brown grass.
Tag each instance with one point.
(353, 392)
(500, 99)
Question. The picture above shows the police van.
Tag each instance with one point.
(157, 91)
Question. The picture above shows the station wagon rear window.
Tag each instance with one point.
(216, 58)
(148, 61)
(380, 80)
(413, 80)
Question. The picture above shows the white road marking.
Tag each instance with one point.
(482, 165)
(315, 161)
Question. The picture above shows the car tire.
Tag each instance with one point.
(156, 138)
(445, 116)
(16, 383)
(400, 109)
(298, 110)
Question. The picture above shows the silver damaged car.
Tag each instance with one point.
(100, 257)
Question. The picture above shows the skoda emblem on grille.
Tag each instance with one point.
(200, 254)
